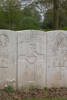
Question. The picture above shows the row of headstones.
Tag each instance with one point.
(33, 58)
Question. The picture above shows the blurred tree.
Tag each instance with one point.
(29, 23)
(13, 17)
(30, 18)
(31, 11)
(9, 9)
(56, 7)
(48, 21)
(62, 17)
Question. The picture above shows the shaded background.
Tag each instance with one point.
(27, 14)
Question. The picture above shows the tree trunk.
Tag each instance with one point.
(56, 14)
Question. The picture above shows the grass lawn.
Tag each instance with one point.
(63, 28)
(45, 99)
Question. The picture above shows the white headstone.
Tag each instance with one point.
(32, 58)
(57, 59)
(7, 58)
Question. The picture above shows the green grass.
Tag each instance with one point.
(45, 99)
(64, 28)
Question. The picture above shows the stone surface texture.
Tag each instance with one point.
(33, 58)
(7, 58)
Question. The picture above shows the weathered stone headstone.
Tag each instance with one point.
(33, 58)
(57, 59)
(7, 58)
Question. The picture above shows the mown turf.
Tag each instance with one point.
(46, 99)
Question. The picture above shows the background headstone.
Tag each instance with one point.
(7, 58)
(57, 59)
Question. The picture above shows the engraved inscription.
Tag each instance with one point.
(3, 40)
(31, 48)
(31, 57)
(60, 50)
(4, 51)
(3, 62)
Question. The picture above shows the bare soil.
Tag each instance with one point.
(34, 93)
